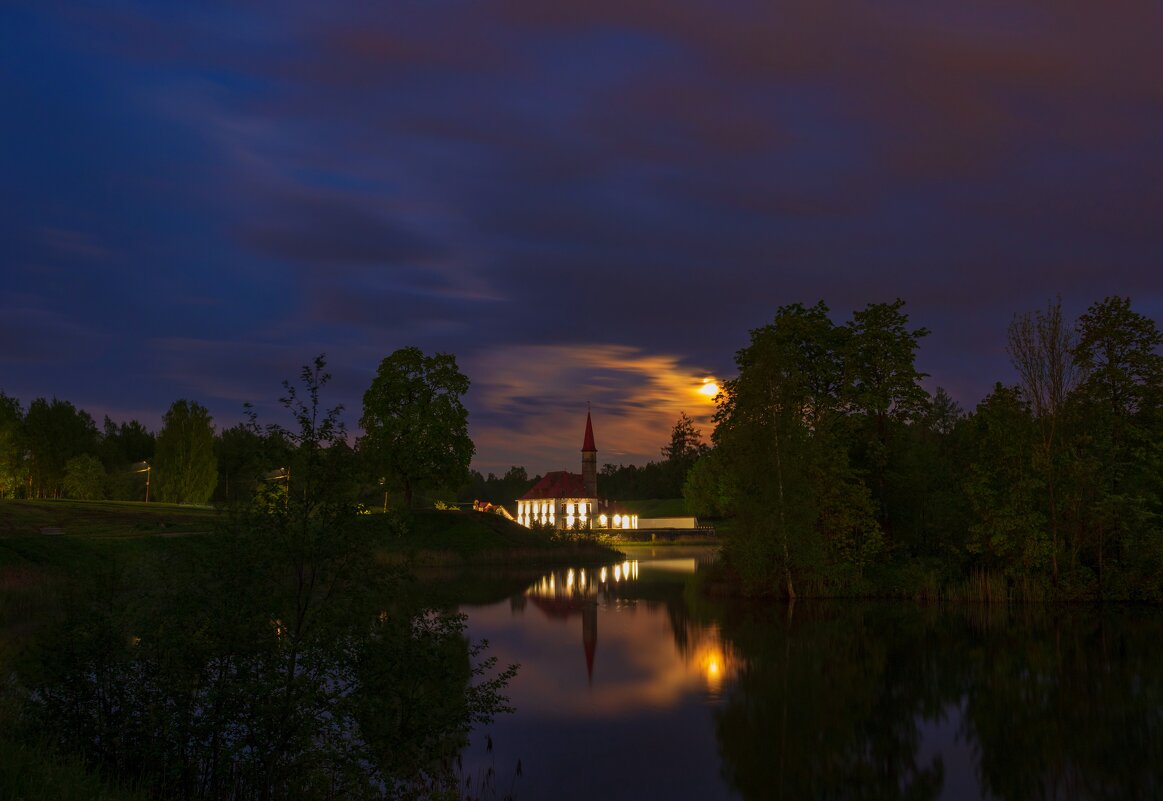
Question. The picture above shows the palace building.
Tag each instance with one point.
(570, 501)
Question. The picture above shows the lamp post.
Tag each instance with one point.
(384, 484)
(282, 474)
(144, 467)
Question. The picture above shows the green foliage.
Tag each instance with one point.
(245, 456)
(707, 489)
(184, 469)
(779, 444)
(415, 426)
(120, 448)
(11, 446)
(501, 490)
(84, 478)
(55, 432)
(275, 658)
(1003, 489)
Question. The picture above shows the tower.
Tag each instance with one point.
(590, 460)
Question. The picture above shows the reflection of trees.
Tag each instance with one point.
(276, 658)
(192, 689)
(828, 701)
(825, 706)
(1069, 705)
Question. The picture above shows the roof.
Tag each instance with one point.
(558, 484)
(588, 442)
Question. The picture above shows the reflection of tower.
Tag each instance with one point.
(590, 460)
(590, 636)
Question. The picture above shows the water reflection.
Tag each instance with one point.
(669, 695)
(570, 592)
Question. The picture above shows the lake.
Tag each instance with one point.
(633, 685)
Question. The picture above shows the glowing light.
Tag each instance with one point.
(617, 521)
(603, 576)
(710, 388)
(602, 520)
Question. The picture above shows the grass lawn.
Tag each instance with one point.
(102, 518)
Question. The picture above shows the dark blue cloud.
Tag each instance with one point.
(199, 198)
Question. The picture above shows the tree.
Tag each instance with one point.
(883, 388)
(55, 432)
(185, 469)
(1118, 464)
(798, 501)
(415, 426)
(686, 441)
(1009, 528)
(1041, 348)
(11, 445)
(122, 446)
(706, 490)
(243, 459)
(84, 478)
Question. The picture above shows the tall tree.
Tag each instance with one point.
(11, 446)
(883, 388)
(415, 426)
(55, 431)
(1041, 347)
(84, 478)
(185, 469)
(1118, 401)
(1009, 523)
(123, 445)
(686, 441)
(798, 503)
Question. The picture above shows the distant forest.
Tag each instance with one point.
(830, 469)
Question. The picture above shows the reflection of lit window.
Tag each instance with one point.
(617, 572)
(602, 576)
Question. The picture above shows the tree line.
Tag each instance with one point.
(837, 472)
(415, 441)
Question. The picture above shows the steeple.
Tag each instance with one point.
(588, 442)
(590, 459)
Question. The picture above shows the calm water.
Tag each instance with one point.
(632, 686)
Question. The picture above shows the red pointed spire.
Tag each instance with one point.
(588, 442)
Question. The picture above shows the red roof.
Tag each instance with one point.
(588, 442)
(558, 484)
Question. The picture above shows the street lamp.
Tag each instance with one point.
(144, 467)
(282, 474)
(384, 484)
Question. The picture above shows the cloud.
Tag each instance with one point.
(530, 403)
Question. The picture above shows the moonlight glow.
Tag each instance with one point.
(710, 388)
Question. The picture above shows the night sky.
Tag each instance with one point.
(583, 200)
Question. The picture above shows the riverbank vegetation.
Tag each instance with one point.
(277, 654)
(843, 476)
(831, 469)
